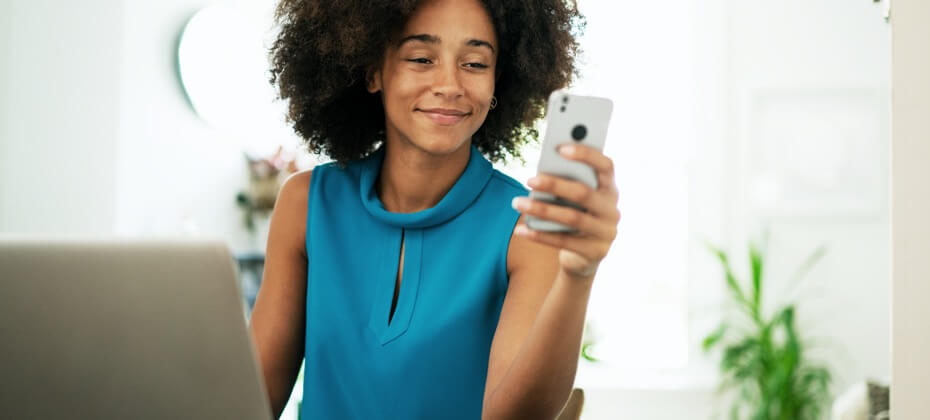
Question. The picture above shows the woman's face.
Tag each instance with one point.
(437, 79)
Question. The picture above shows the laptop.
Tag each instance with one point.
(124, 329)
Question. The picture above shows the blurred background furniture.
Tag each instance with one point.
(864, 400)
(251, 265)
(572, 409)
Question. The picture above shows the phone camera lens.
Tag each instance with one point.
(565, 99)
(579, 132)
(562, 109)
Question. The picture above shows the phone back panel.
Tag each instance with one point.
(565, 114)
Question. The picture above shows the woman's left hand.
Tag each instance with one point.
(581, 252)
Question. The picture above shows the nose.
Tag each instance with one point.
(446, 81)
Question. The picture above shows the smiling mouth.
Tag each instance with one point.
(444, 116)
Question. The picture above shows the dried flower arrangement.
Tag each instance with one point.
(265, 178)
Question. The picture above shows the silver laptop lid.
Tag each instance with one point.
(124, 329)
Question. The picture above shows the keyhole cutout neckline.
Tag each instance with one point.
(400, 272)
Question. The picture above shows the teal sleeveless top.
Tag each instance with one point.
(430, 361)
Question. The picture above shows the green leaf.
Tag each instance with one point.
(732, 283)
(585, 352)
(755, 261)
(714, 337)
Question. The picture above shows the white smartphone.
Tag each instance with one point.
(570, 119)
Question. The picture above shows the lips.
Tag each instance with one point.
(444, 116)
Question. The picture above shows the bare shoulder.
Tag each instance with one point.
(294, 192)
(524, 254)
(291, 207)
(297, 184)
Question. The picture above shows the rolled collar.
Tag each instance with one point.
(465, 190)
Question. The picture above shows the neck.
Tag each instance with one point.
(412, 179)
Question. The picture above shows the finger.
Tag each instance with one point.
(585, 223)
(603, 165)
(608, 184)
(589, 155)
(596, 202)
(592, 250)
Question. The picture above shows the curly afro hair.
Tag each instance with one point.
(324, 50)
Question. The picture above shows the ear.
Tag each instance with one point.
(373, 80)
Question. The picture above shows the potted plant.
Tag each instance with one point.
(763, 363)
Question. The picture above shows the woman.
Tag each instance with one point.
(400, 270)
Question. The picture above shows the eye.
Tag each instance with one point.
(476, 65)
(420, 60)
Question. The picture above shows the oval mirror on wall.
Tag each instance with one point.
(223, 67)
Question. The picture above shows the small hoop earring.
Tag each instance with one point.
(493, 102)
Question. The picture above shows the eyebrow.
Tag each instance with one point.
(433, 39)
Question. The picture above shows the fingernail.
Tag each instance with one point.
(523, 203)
(567, 149)
(517, 203)
(533, 182)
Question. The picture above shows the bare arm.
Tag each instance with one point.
(534, 355)
(278, 319)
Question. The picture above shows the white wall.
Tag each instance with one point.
(177, 175)
(61, 98)
(5, 7)
(911, 205)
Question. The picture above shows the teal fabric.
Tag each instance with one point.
(430, 361)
